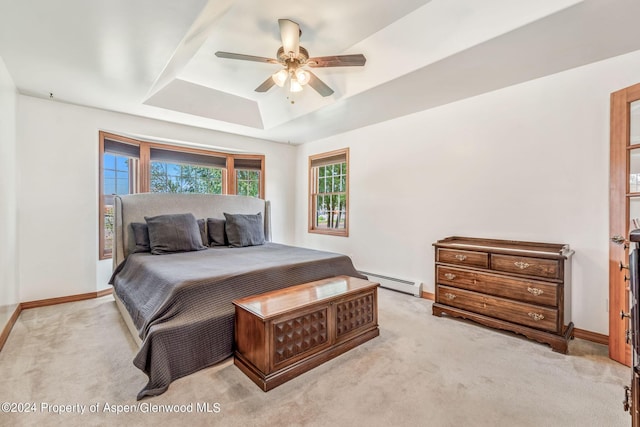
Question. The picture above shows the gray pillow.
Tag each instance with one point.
(217, 234)
(174, 233)
(141, 236)
(244, 230)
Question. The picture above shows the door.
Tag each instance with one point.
(624, 211)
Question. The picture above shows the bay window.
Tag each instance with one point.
(129, 166)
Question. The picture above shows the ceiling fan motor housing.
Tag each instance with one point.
(284, 58)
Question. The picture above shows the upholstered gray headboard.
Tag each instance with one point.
(134, 207)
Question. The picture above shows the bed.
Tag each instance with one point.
(178, 304)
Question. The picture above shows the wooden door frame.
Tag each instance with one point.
(621, 100)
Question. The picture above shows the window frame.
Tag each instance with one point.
(313, 194)
(233, 176)
(144, 173)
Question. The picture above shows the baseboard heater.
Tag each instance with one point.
(401, 285)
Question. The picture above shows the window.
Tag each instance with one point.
(247, 182)
(129, 166)
(329, 193)
(180, 172)
(120, 171)
(248, 176)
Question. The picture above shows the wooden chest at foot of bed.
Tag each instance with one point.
(282, 334)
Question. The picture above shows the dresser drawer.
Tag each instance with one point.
(499, 308)
(532, 291)
(541, 267)
(469, 258)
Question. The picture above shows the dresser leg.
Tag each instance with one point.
(436, 311)
(561, 345)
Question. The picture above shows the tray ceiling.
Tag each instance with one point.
(155, 58)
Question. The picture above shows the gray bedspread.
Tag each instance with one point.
(181, 303)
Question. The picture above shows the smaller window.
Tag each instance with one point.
(120, 171)
(329, 193)
(247, 183)
(249, 173)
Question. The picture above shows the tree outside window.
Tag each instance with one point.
(177, 178)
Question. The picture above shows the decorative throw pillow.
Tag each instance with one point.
(217, 234)
(141, 237)
(174, 233)
(244, 230)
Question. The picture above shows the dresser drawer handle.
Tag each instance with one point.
(535, 291)
(449, 296)
(536, 316)
(521, 265)
(450, 276)
(461, 257)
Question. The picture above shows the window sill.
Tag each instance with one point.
(340, 233)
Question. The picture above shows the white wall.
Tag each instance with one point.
(9, 290)
(58, 190)
(528, 162)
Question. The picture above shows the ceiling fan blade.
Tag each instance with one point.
(242, 57)
(266, 85)
(337, 61)
(320, 86)
(290, 35)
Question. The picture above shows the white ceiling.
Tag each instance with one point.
(155, 58)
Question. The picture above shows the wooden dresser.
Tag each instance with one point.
(521, 287)
(284, 333)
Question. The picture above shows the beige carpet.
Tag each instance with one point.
(421, 371)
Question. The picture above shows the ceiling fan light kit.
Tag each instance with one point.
(295, 86)
(293, 58)
(302, 76)
(280, 78)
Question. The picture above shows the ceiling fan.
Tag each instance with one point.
(294, 58)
